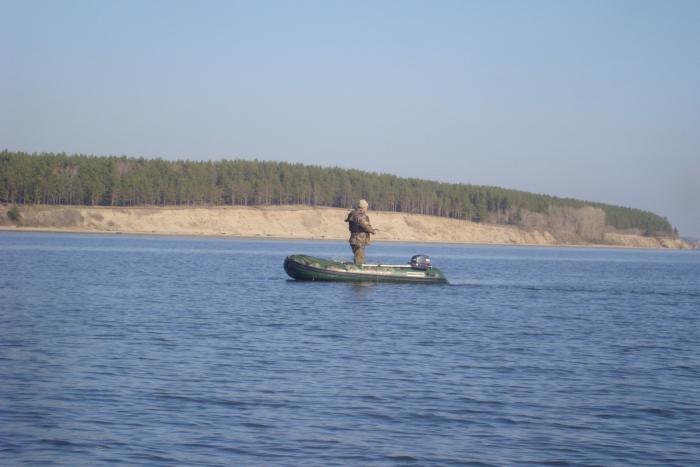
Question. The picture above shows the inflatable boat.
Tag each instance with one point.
(309, 268)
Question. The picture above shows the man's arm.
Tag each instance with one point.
(366, 226)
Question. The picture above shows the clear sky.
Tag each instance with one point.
(594, 99)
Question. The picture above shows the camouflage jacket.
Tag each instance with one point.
(360, 228)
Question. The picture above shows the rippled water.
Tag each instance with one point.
(163, 351)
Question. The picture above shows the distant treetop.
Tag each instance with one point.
(49, 178)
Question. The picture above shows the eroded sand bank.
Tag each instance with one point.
(300, 222)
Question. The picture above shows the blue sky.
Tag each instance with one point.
(598, 100)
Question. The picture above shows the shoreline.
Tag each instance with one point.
(301, 223)
(46, 230)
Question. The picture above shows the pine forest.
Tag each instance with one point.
(60, 179)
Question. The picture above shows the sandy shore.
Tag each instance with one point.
(295, 222)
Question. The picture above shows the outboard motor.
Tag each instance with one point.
(421, 262)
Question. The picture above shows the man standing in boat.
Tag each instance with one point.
(360, 230)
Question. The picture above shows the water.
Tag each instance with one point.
(183, 351)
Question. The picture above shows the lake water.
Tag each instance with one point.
(188, 351)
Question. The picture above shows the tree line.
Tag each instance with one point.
(62, 179)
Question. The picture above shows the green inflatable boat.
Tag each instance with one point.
(309, 268)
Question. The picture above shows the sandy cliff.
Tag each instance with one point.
(301, 222)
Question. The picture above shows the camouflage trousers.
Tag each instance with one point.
(359, 251)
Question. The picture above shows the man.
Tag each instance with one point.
(360, 230)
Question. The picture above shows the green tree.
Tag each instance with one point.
(14, 214)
